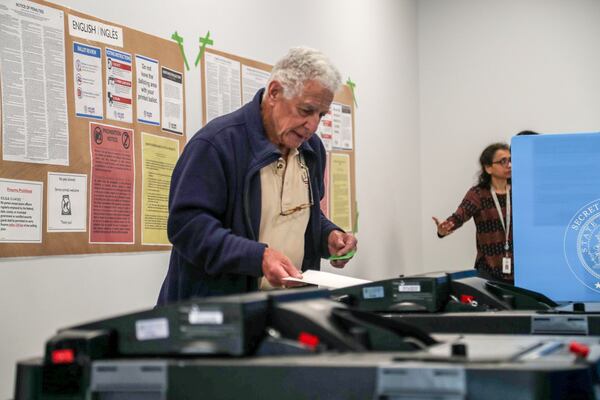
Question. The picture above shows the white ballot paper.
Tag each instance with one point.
(327, 279)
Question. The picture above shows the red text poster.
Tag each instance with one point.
(112, 184)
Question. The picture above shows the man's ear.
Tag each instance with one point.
(274, 90)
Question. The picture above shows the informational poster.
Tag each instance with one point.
(66, 204)
(96, 31)
(20, 211)
(252, 80)
(223, 92)
(112, 184)
(325, 199)
(87, 78)
(172, 101)
(159, 156)
(118, 86)
(346, 143)
(341, 210)
(32, 55)
(325, 130)
(148, 94)
(342, 126)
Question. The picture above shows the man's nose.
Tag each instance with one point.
(312, 122)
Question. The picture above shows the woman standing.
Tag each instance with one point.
(489, 204)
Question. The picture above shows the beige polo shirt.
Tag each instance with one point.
(285, 207)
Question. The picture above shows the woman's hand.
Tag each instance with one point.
(444, 228)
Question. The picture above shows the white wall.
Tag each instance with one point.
(374, 42)
(487, 70)
(381, 50)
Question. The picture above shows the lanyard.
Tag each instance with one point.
(507, 226)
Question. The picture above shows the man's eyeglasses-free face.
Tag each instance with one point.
(503, 161)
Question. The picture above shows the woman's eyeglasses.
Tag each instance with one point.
(503, 161)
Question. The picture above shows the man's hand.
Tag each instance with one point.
(340, 243)
(444, 228)
(276, 266)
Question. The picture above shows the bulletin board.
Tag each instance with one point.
(229, 81)
(91, 176)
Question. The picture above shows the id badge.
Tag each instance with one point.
(506, 265)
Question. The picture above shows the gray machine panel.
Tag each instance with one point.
(537, 367)
(505, 322)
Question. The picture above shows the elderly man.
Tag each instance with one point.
(244, 200)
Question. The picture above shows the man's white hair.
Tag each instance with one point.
(302, 64)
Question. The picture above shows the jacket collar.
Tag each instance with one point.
(260, 145)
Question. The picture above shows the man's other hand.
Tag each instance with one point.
(340, 243)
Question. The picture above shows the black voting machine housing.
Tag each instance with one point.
(303, 344)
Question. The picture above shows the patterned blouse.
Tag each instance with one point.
(479, 204)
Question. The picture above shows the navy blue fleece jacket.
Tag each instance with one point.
(215, 202)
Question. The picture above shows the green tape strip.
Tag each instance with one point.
(356, 217)
(352, 86)
(179, 41)
(346, 256)
(203, 42)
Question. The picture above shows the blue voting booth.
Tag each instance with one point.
(556, 213)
